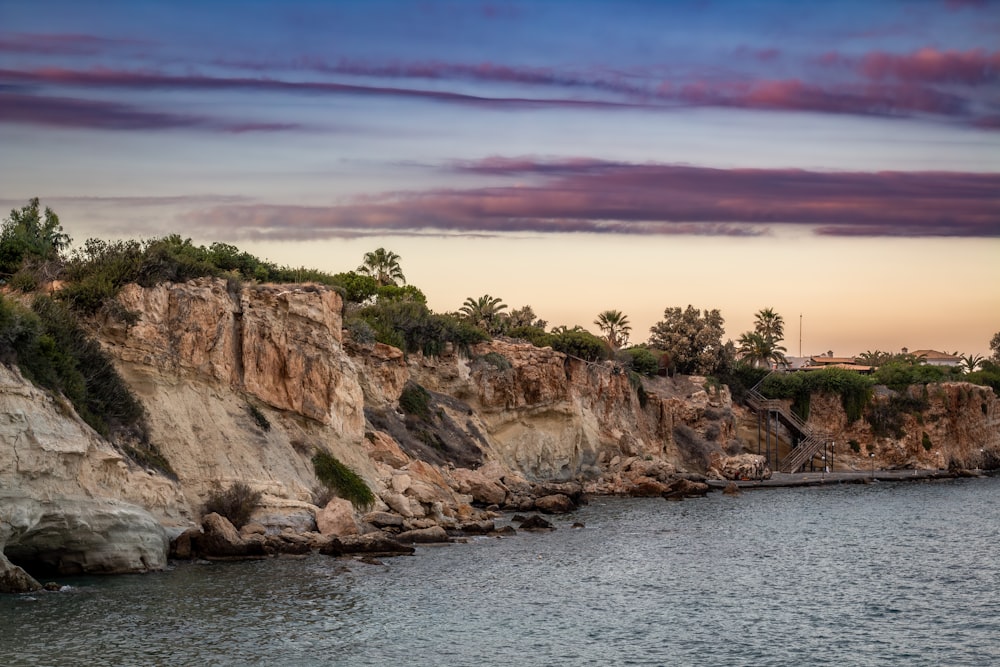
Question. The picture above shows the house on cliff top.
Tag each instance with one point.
(935, 358)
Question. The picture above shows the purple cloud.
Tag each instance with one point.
(61, 44)
(648, 199)
(71, 112)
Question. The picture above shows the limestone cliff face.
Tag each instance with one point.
(247, 383)
(549, 416)
(940, 426)
(242, 385)
(68, 501)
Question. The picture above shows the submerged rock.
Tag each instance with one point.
(536, 523)
(557, 503)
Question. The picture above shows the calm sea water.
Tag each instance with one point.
(887, 574)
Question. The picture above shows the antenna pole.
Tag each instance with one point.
(800, 335)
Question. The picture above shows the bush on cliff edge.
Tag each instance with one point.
(345, 482)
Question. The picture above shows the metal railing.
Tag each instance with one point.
(810, 442)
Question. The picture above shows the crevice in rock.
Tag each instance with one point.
(238, 336)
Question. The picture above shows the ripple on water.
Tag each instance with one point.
(891, 574)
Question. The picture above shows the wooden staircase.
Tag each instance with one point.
(809, 442)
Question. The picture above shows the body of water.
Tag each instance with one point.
(881, 574)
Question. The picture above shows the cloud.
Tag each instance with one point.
(61, 44)
(592, 196)
(973, 68)
(144, 80)
(906, 96)
(68, 112)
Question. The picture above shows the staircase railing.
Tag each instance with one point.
(810, 442)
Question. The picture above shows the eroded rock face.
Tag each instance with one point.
(68, 498)
(68, 536)
(959, 427)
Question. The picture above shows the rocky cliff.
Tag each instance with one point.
(247, 383)
(949, 425)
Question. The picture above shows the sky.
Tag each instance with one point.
(838, 162)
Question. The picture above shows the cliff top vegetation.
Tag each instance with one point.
(380, 306)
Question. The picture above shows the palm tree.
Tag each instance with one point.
(769, 324)
(873, 358)
(760, 350)
(971, 362)
(615, 326)
(485, 312)
(383, 266)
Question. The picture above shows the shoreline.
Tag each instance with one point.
(785, 480)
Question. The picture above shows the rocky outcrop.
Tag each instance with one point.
(69, 501)
(247, 383)
(944, 426)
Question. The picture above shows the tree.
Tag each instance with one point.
(760, 350)
(692, 341)
(874, 358)
(615, 326)
(525, 317)
(770, 324)
(383, 266)
(970, 362)
(995, 346)
(26, 236)
(485, 313)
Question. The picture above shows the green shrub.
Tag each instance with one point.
(341, 479)
(899, 375)
(412, 327)
(887, 417)
(855, 446)
(415, 400)
(360, 331)
(235, 503)
(643, 361)
(635, 380)
(259, 417)
(53, 351)
(496, 360)
(925, 440)
(532, 334)
(853, 388)
(581, 344)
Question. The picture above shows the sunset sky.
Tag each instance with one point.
(838, 161)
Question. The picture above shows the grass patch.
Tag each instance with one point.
(345, 482)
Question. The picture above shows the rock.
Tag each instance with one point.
(253, 528)
(577, 524)
(477, 527)
(483, 490)
(398, 503)
(15, 580)
(70, 536)
(647, 487)
(401, 482)
(430, 535)
(384, 519)
(220, 540)
(555, 504)
(375, 544)
(536, 523)
(288, 543)
(731, 489)
(181, 547)
(276, 520)
(683, 488)
(337, 518)
(743, 467)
